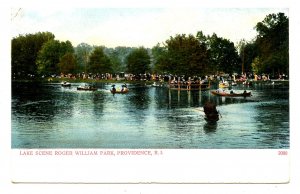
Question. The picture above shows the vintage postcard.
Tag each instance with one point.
(150, 94)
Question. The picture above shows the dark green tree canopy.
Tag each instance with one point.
(99, 62)
(138, 61)
(223, 55)
(67, 63)
(160, 59)
(82, 52)
(186, 55)
(273, 43)
(50, 55)
(118, 57)
(198, 55)
(24, 52)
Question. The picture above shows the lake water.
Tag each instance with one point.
(50, 116)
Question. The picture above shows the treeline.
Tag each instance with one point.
(35, 55)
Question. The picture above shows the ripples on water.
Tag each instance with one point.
(49, 116)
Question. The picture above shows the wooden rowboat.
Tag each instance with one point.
(223, 84)
(244, 94)
(119, 91)
(65, 84)
(211, 113)
(211, 117)
(86, 88)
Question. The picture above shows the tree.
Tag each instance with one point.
(223, 55)
(138, 61)
(99, 62)
(24, 52)
(116, 56)
(123, 52)
(248, 52)
(256, 65)
(82, 51)
(273, 43)
(67, 63)
(182, 55)
(116, 62)
(159, 59)
(50, 55)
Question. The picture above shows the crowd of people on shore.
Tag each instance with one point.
(170, 77)
(165, 77)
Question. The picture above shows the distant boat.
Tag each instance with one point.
(220, 93)
(124, 91)
(87, 88)
(224, 84)
(65, 84)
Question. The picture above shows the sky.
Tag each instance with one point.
(136, 27)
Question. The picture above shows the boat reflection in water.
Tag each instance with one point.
(210, 127)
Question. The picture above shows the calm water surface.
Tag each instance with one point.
(50, 116)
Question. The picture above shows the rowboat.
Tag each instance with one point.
(119, 91)
(210, 111)
(86, 88)
(123, 90)
(224, 84)
(213, 117)
(65, 84)
(219, 93)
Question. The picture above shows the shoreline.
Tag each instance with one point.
(147, 82)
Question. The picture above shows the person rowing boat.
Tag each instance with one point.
(211, 113)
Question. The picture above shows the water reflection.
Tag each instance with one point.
(271, 128)
(39, 102)
(210, 127)
(98, 102)
(139, 98)
(49, 116)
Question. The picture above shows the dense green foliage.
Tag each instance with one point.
(82, 52)
(273, 43)
(248, 53)
(68, 63)
(198, 55)
(40, 54)
(138, 61)
(222, 54)
(24, 52)
(50, 55)
(186, 55)
(99, 62)
(118, 57)
(269, 52)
